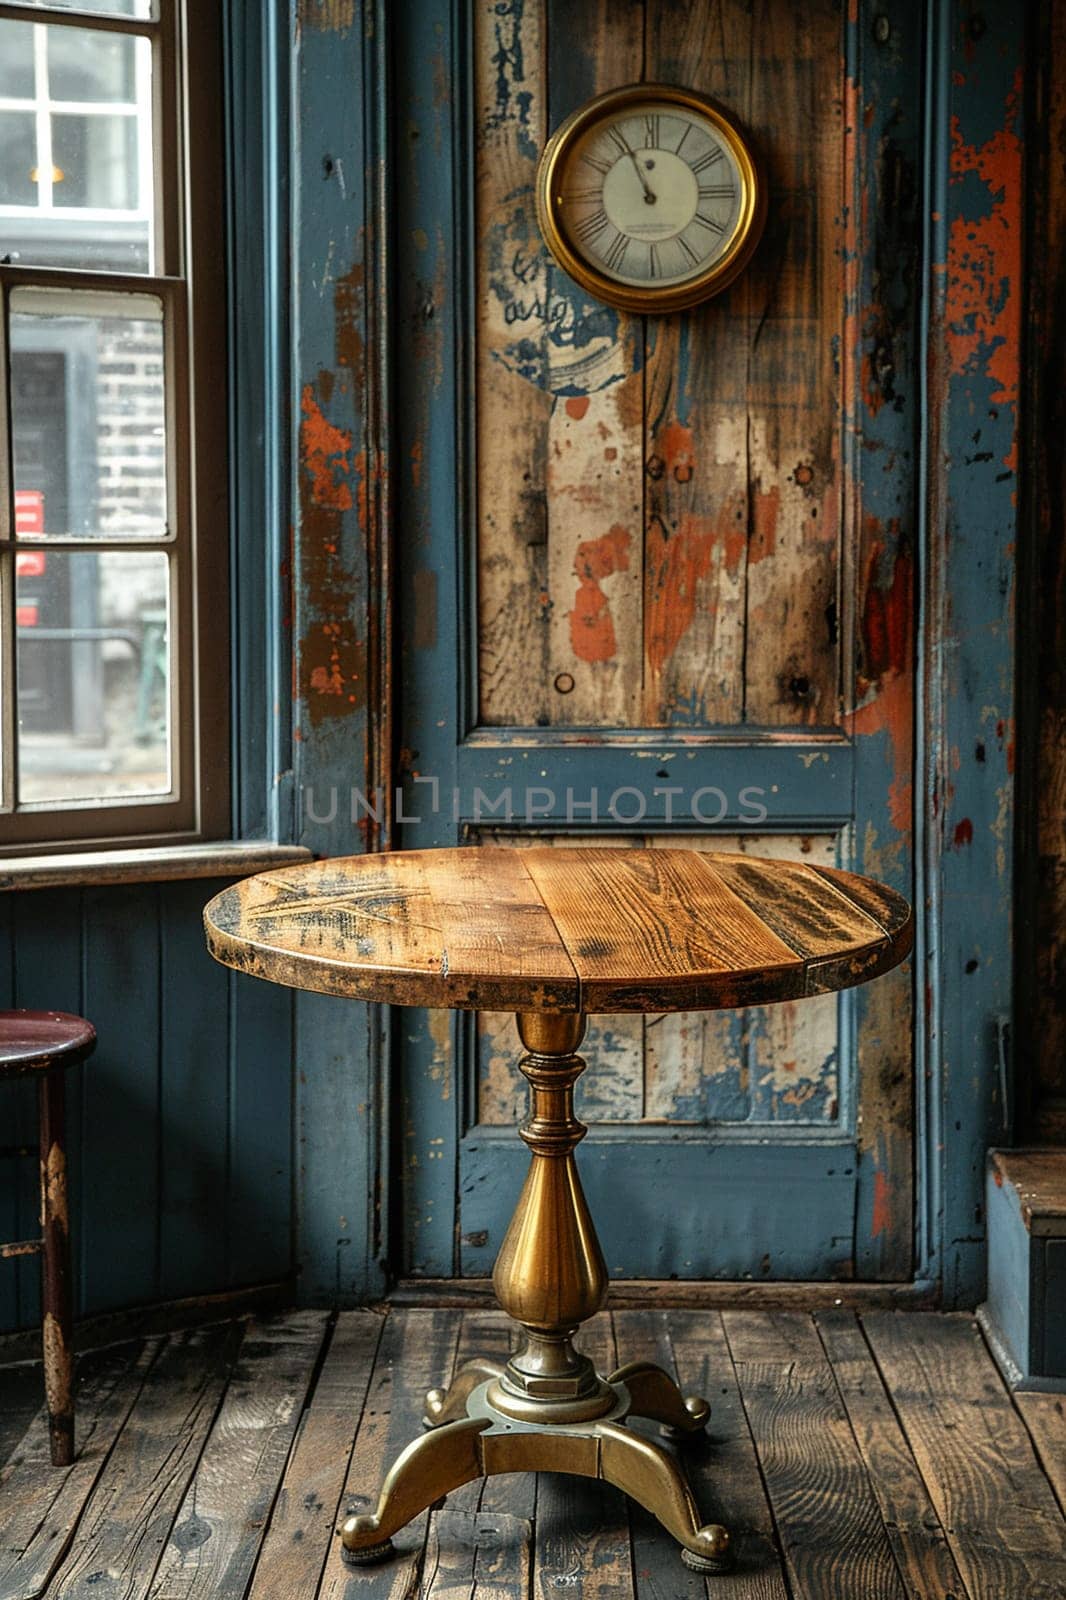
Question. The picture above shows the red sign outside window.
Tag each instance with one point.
(29, 521)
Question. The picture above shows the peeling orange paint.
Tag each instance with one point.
(592, 634)
(887, 612)
(765, 508)
(676, 562)
(901, 804)
(983, 320)
(674, 444)
(890, 711)
(881, 1220)
(324, 452)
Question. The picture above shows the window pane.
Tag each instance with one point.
(109, 8)
(94, 155)
(86, 65)
(97, 160)
(88, 413)
(93, 674)
(16, 60)
(18, 161)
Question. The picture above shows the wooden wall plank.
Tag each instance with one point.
(697, 493)
(194, 1095)
(121, 1118)
(594, 485)
(795, 312)
(514, 405)
(1041, 734)
(976, 346)
(341, 333)
(262, 1062)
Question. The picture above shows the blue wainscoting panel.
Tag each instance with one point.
(678, 1192)
(121, 1113)
(194, 1089)
(180, 1126)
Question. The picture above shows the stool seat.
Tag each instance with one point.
(37, 1041)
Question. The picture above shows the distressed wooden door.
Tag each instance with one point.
(657, 588)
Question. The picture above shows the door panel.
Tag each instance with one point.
(669, 567)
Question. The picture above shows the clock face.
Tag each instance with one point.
(649, 197)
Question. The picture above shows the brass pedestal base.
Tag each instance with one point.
(484, 1441)
(548, 1410)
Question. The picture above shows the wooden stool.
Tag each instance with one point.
(552, 935)
(46, 1042)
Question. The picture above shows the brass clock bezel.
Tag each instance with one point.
(712, 280)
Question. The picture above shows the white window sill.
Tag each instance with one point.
(221, 858)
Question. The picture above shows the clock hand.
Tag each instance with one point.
(649, 193)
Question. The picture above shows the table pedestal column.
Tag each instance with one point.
(548, 1409)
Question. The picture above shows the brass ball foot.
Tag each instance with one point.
(368, 1555)
(434, 1405)
(717, 1545)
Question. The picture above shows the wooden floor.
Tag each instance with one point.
(878, 1458)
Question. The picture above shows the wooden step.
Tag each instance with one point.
(1025, 1313)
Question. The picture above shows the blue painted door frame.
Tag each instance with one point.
(347, 139)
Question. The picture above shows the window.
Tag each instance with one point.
(113, 527)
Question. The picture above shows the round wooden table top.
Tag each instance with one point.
(544, 929)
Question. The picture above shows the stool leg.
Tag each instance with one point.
(55, 1277)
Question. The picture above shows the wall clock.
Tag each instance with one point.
(650, 197)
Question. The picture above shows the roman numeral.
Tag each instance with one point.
(651, 132)
(684, 136)
(592, 225)
(716, 191)
(687, 248)
(614, 257)
(707, 160)
(653, 261)
(709, 222)
(602, 167)
(576, 197)
(618, 141)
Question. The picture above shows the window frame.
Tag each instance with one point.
(190, 281)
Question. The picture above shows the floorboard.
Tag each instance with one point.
(1045, 1417)
(878, 1456)
(42, 1504)
(219, 1527)
(131, 1510)
(834, 1541)
(994, 1501)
